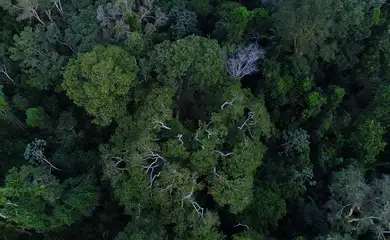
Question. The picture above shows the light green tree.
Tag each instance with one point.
(367, 142)
(100, 81)
(33, 198)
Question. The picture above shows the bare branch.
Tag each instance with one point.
(228, 103)
(39, 155)
(199, 210)
(245, 61)
(156, 161)
(249, 120)
(179, 137)
(3, 216)
(3, 69)
(161, 125)
(224, 154)
(241, 225)
(58, 5)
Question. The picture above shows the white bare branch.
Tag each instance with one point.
(48, 14)
(199, 210)
(153, 161)
(224, 154)
(58, 5)
(161, 125)
(241, 225)
(249, 120)
(245, 61)
(66, 44)
(38, 154)
(228, 103)
(179, 137)
(3, 69)
(209, 133)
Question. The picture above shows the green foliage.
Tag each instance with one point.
(202, 7)
(25, 9)
(268, 205)
(376, 15)
(19, 102)
(307, 27)
(135, 44)
(3, 104)
(133, 21)
(297, 140)
(100, 81)
(184, 23)
(83, 31)
(378, 108)
(198, 62)
(284, 88)
(368, 142)
(36, 117)
(358, 206)
(233, 20)
(34, 50)
(314, 103)
(30, 192)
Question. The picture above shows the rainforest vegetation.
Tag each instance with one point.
(194, 119)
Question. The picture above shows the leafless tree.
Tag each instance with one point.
(245, 61)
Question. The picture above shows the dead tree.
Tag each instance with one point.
(245, 61)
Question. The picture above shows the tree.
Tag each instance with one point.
(368, 142)
(358, 206)
(82, 33)
(245, 61)
(318, 28)
(190, 66)
(285, 84)
(201, 7)
(100, 81)
(33, 198)
(314, 102)
(36, 117)
(268, 205)
(65, 132)
(194, 61)
(34, 153)
(5, 111)
(184, 23)
(378, 108)
(297, 140)
(233, 20)
(34, 49)
(26, 9)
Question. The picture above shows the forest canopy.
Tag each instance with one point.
(194, 119)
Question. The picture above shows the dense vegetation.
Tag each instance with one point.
(194, 119)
